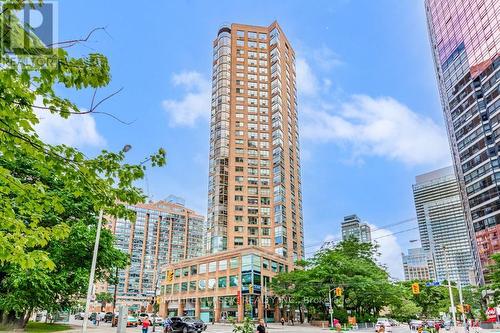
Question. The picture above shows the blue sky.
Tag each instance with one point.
(370, 117)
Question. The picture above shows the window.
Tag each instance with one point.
(240, 33)
(233, 281)
(212, 266)
(194, 270)
(222, 265)
(238, 188)
(211, 283)
(240, 43)
(202, 284)
(252, 34)
(238, 241)
(234, 263)
(239, 159)
(252, 241)
(184, 286)
(265, 242)
(262, 36)
(238, 229)
(238, 218)
(203, 268)
(239, 169)
(222, 282)
(192, 286)
(177, 272)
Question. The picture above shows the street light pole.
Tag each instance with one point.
(92, 272)
(461, 299)
(452, 304)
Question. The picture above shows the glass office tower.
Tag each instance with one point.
(465, 40)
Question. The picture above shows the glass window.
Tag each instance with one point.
(222, 265)
(222, 282)
(211, 283)
(240, 33)
(234, 263)
(192, 286)
(184, 286)
(233, 281)
(194, 270)
(262, 36)
(265, 263)
(203, 268)
(246, 279)
(252, 34)
(202, 284)
(176, 287)
(177, 272)
(212, 266)
(240, 43)
(185, 271)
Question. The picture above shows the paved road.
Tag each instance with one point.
(221, 328)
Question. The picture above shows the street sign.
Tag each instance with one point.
(432, 284)
(331, 311)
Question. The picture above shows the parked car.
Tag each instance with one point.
(80, 315)
(415, 324)
(108, 317)
(184, 326)
(198, 324)
(132, 321)
(383, 322)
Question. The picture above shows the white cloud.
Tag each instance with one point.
(194, 105)
(307, 83)
(326, 58)
(378, 126)
(77, 130)
(390, 251)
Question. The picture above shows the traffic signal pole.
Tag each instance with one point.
(331, 307)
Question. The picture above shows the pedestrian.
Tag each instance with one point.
(261, 328)
(145, 325)
(292, 321)
(282, 321)
(98, 319)
(167, 325)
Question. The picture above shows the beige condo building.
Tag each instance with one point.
(254, 195)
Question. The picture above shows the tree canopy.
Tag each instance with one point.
(350, 265)
(50, 195)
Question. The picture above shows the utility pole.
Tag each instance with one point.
(92, 272)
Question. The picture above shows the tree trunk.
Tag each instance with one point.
(10, 320)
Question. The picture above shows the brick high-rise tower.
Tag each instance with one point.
(254, 179)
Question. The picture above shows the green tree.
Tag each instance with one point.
(104, 298)
(246, 326)
(351, 265)
(50, 195)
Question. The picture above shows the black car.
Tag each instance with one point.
(187, 325)
(108, 317)
(198, 324)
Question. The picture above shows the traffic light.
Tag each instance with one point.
(415, 288)
(338, 291)
(170, 276)
(467, 308)
(460, 308)
(250, 289)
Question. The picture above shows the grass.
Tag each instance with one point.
(45, 328)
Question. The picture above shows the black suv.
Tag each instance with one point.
(187, 325)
